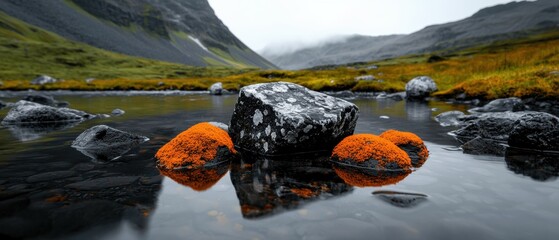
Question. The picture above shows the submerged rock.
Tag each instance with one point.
(410, 143)
(285, 118)
(29, 112)
(44, 100)
(370, 151)
(501, 105)
(216, 89)
(43, 79)
(450, 118)
(536, 130)
(105, 143)
(201, 145)
(420, 87)
(401, 199)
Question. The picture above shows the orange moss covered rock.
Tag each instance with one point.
(410, 143)
(370, 151)
(199, 179)
(362, 178)
(200, 145)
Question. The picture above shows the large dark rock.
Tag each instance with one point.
(105, 143)
(495, 126)
(285, 118)
(29, 112)
(483, 146)
(536, 130)
(420, 87)
(501, 105)
(43, 79)
(450, 118)
(45, 100)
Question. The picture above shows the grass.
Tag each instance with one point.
(521, 67)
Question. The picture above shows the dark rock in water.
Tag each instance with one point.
(420, 87)
(102, 183)
(501, 105)
(450, 118)
(268, 187)
(45, 100)
(216, 89)
(29, 112)
(285, 118)
(343, 94)
(495, 126)
(483, 146)
(401, 199)
(31, 131)
(50, 176)
(43, 79)
(539, 166)
(105, 143)
(536, 130)
(118, 111)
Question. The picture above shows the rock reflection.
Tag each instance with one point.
(266, 187)
(25, 132)
(199, 179)
(401, 199)
(539, 166)
(366, 177)
(418, 111)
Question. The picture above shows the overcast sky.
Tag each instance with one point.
(277, 23)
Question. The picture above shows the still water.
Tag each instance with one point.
(50, 190)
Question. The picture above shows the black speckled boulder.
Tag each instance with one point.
(536, 130)
(284, 118)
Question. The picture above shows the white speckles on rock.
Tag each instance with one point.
(280, 88)
(265, 146)
(282, 132)
(292, 100)
(308, 128)
(257, 118)
(274, 136)
(265, 112)
(268, 130)
(242, 133)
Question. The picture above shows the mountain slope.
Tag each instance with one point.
(512, 20)
(185, 32)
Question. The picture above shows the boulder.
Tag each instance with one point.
(104, 143)
(43, 79)
(483, 146)
(216, 89)
(372, 152)
(29, 112)
(501, 105)
(118, 111)
(284, 118)
(495, 126)
(420, 87)
(202, 145)
(409, 142)
(45, 100)
(536, 130)
(450, 118)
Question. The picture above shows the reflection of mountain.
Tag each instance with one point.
(364, 177)
(199, 179)
(537, 165)
(268, 187)
(32, 131)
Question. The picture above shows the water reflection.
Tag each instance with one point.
(31, 131)
(536, 165)
(266, 187)
(401, 199)
(418, 111)
(199, 179)
(364, 177)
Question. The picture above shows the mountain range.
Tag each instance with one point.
(186, 32)
(500, 22)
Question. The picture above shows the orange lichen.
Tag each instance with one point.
(359, 178)
(194, 147)
(304, 192)
(406, 139)
(56, 198)
(361, 148)
(199, 179)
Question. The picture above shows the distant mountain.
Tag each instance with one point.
(178, 31)
(512, 20)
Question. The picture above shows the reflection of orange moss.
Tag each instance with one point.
(403, 139)
(194, 147)
(304, 192)
(360, 178)
(199, 179)
(361, 148)
(249, 210)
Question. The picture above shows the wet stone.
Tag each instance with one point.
(501, 105)
(481, 146)
(284, 118)
(29, 112)
(50, 176)
(536, 131)
(450, 118)
(102, 183)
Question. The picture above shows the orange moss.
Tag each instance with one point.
(361, 179)
(194, 147)
(199, 179)
(361, 148)
(304, 192)
(56, 198)
(402, 139)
